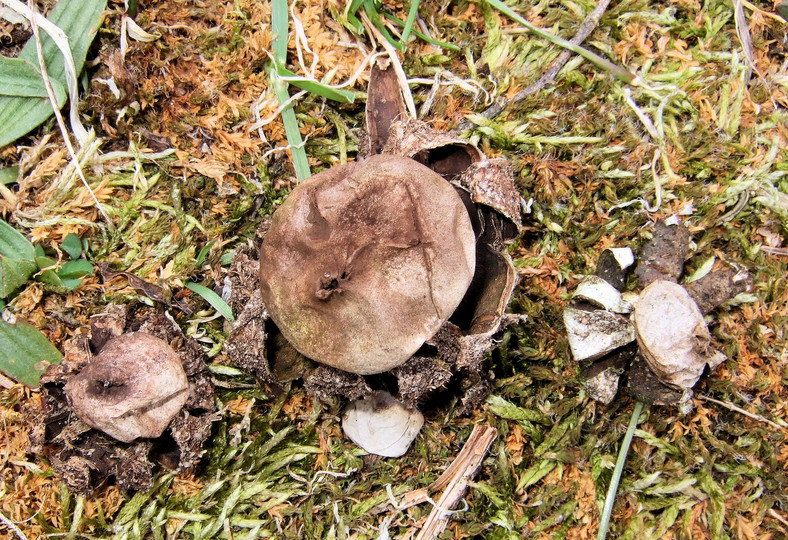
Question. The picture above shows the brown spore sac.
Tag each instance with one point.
(132, 389)
(82, 453)
(364, 262)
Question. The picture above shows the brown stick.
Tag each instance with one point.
(589, 24)
(456, 479)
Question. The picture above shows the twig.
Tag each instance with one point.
(589, 24)
(456, 478)
(734, 408)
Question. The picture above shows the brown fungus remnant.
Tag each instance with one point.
(674, 345)
(364, 262)
(391, 271)
(132, 389)
(131, 395)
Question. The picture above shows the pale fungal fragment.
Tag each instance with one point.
(364, 262)
(592, 334)
(602, 294)
(132, 389)
(603, 386)
(672, 334)
(382, 425)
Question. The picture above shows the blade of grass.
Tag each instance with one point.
(353, 22)
(374, 16)
(314, 87)
(414, 11)
(610, 498)
(418, 34)
(212, 298)
(279, 27)
(618, 71)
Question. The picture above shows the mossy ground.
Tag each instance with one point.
(597, 161)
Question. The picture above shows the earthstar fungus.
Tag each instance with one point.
(673, 343)
(365, 261)
(389, 269)
(131, 395)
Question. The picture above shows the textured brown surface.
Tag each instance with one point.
(131, 389)
(86, 458)
(364, 262)
(663, 256)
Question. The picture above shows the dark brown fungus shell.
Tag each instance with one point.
(364, 262)
(132, 389)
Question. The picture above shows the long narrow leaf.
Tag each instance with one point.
(314, 87)
(372, 13)
(414, 11)
(418, 34)
(212, 298)
(610, 498)
(280, 29)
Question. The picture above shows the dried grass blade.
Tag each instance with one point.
(743, 31)
(83, 137)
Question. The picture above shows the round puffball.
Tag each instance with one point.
(132, 389)
(364, 262)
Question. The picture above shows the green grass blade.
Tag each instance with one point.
(610, 498)
(618, 71)
(25, 352)
(314, 87)
(279, 27)
(212, 298)
(355, 24)
(414, 11)
(418, 34)
(372, 13)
